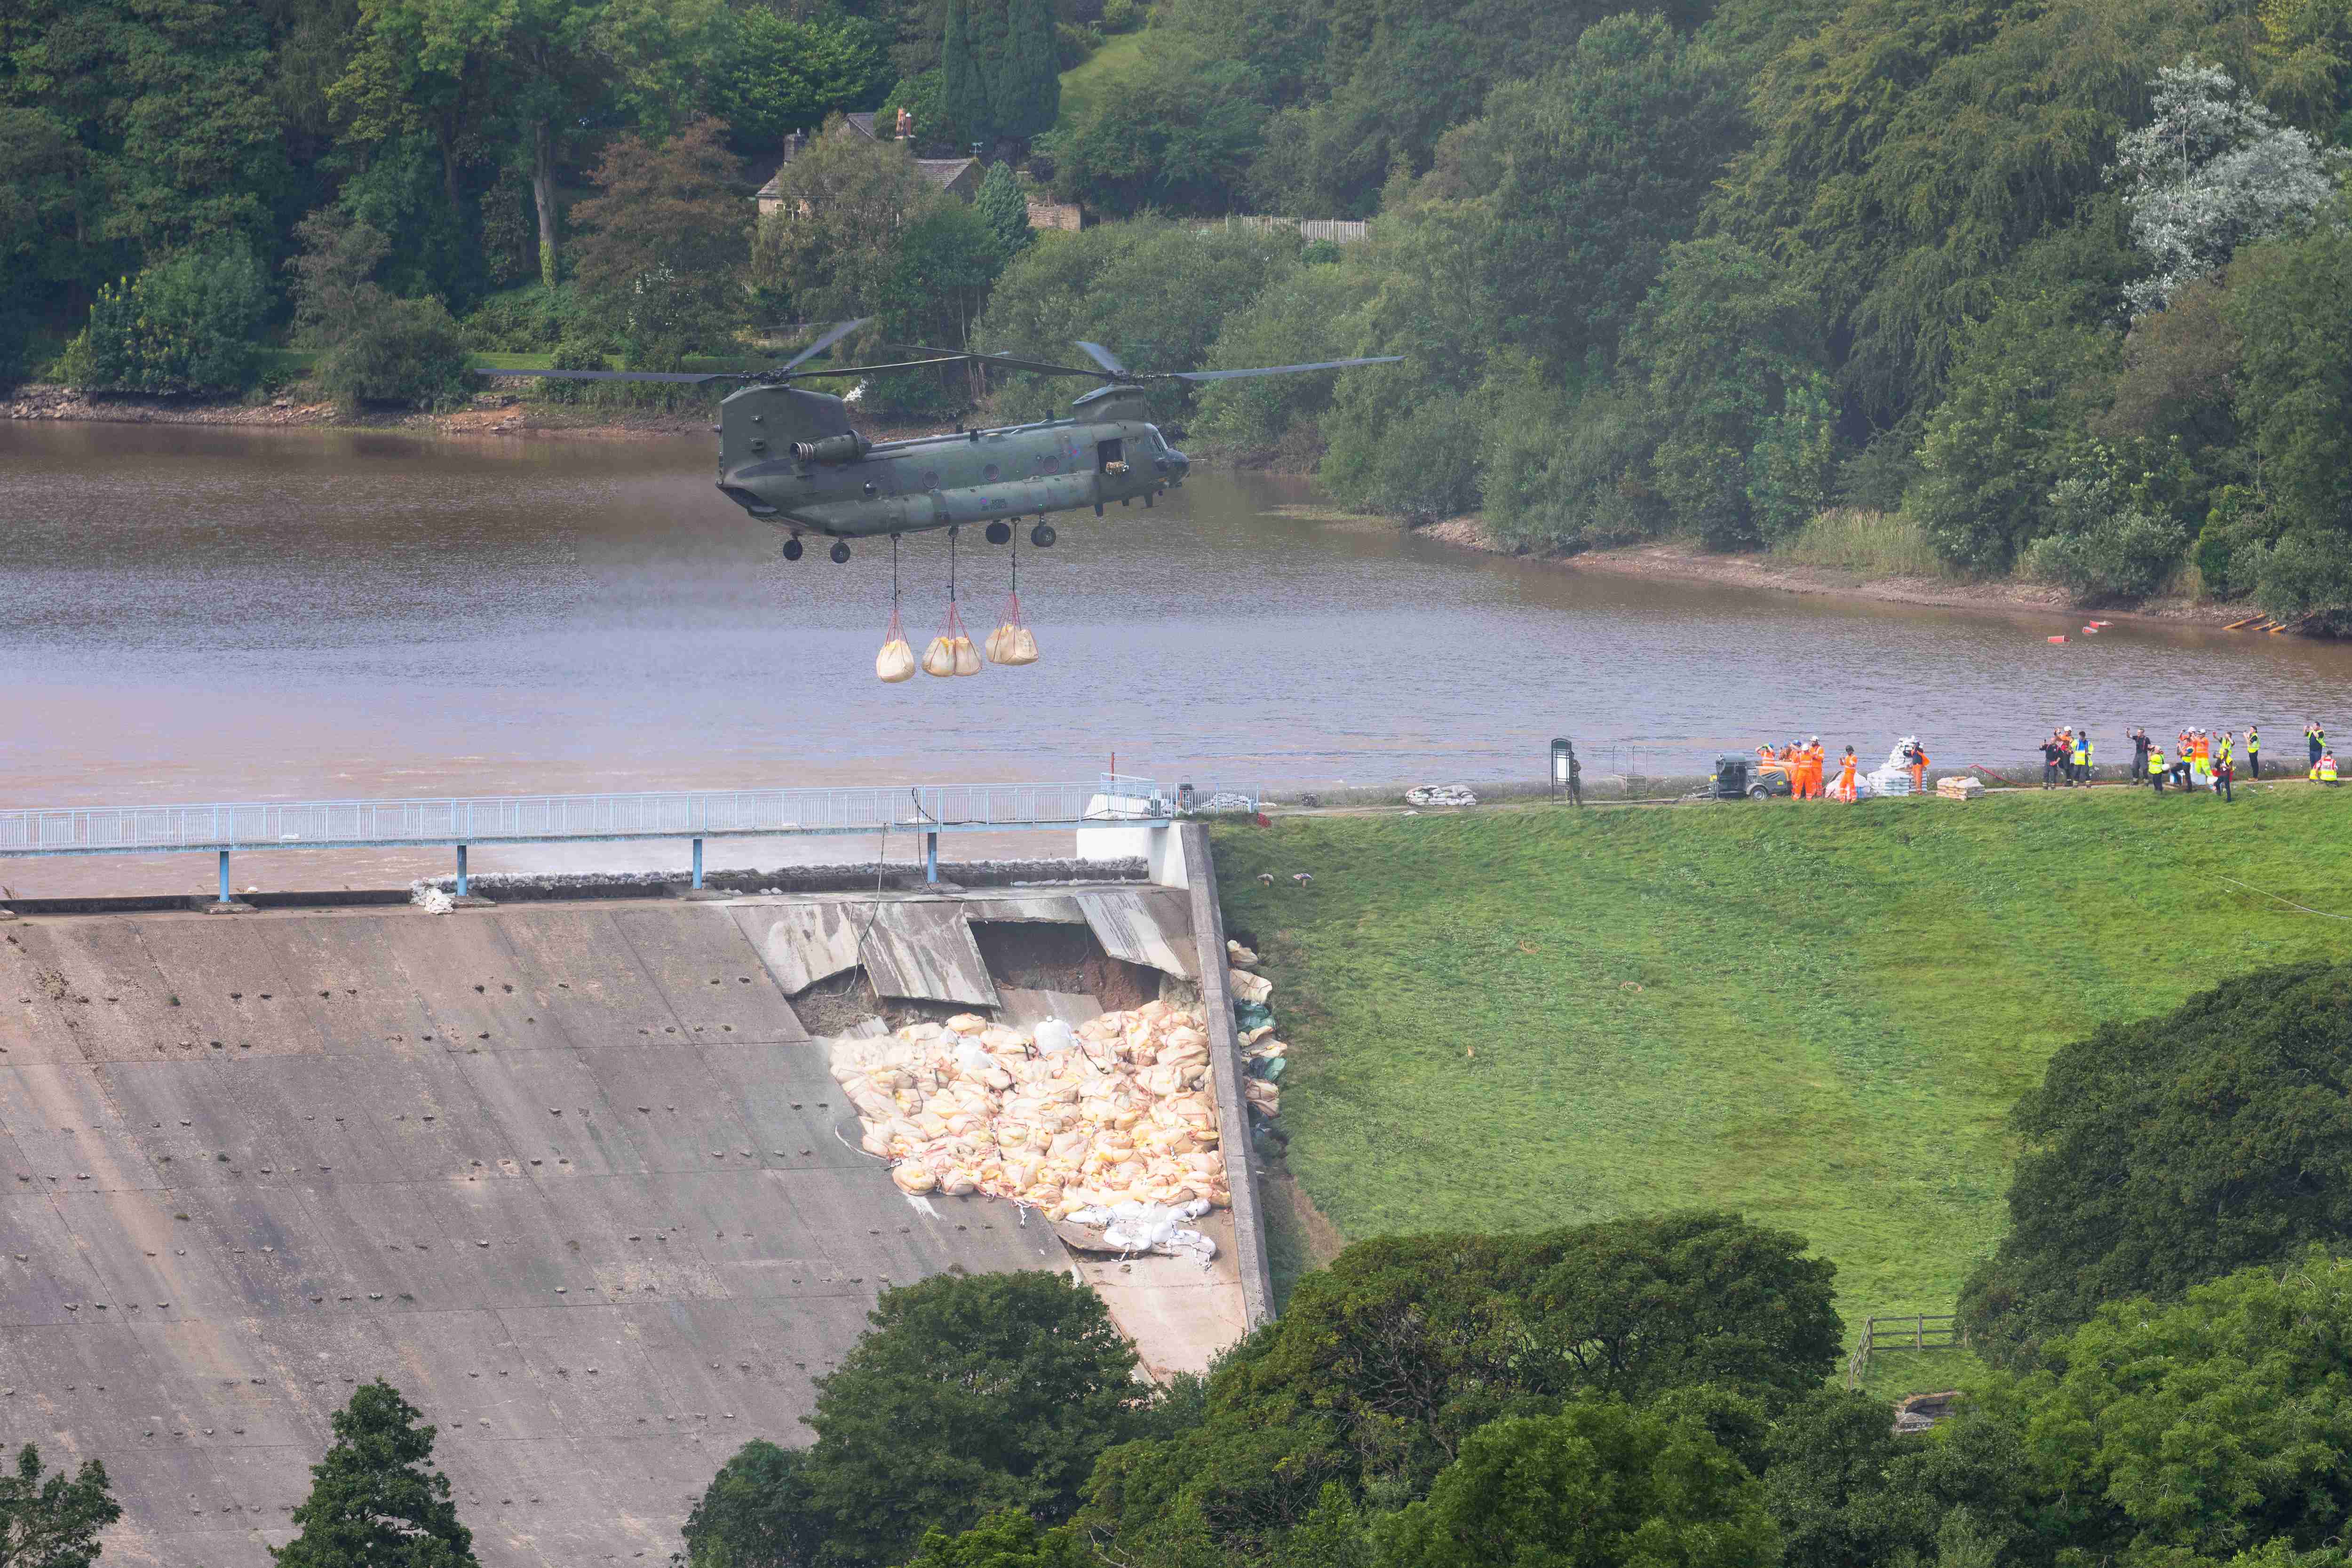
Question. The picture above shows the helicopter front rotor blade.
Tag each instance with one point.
(1103, 357)
(680, 377)
(823, 343)
(1278, 368)
(869, 369)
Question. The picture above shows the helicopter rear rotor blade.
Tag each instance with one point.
(1278, 368)
(832, 337)
(1009, 362)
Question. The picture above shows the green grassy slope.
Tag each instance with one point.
(1816, 1015)
(1082, 81)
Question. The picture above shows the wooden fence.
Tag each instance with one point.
(1338, 230)
(1903, 1331)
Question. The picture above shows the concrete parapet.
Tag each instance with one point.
(1225, 1066)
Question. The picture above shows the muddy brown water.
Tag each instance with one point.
(199, 614)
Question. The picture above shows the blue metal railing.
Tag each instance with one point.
(555, 818)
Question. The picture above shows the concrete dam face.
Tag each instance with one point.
(569, 1175)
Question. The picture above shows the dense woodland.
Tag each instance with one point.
(2058, 287)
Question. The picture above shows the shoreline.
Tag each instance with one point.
(1756, 569)
(490, 414)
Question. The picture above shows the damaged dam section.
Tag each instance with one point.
(574, 1175)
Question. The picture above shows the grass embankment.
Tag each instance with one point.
(1818, 1016)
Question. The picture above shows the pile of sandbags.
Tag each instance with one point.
(1960, 786)
(1264, 1057)
(1120, 1110)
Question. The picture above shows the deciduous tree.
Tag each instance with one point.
(48, 1520)
(661, 249)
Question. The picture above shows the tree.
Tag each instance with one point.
(2163, 1151)
(2290, 304)
(970, 1395)
(1393, 1361)
(756, 1513)
(832, 240)
(375, 1501)
(2203, 1428)
(772, 73)
(1597, 1485)
(1024, 89)
(1004, 207)
(1005, 1539)
(1175, 131)
(2011, 427)
(660, 256)
(49, 1521)
(1846, 1491)
(2212, 170)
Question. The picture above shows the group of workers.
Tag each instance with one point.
(2200, 759)
(1807, 765)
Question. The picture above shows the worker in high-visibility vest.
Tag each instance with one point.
(2225, 765)
(1845, 776)
(2255, 751)
(2078, 759)
(1918, 769)
(2156, 766)
(2316, 738)
(2326, 770)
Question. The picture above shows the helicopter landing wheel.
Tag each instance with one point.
(794, 549)
(999, 532)
(1043, 535)
(840, 552)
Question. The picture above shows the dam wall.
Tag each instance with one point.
(574, 1177)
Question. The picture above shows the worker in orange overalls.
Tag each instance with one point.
(1918, 770)
(1817, 762)
(1845, 776)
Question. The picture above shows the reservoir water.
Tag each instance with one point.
(195, 614)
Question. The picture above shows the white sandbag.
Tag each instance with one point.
(914, 1179)
(1240, 957)
(896, 662)
(940, 659)
(1248, 987)
(967, 658)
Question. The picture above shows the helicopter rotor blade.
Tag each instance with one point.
(1009, 362)
(1277, 369)
(823, 343)
(1103, 357)
(869, 369)
(687, 378)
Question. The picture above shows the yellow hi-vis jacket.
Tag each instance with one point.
(2156, 759)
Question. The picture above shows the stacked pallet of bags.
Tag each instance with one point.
(1119, 1110)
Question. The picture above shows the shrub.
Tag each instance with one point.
(406, 350)
(187, 325)
(533, 319)
(2102, 550)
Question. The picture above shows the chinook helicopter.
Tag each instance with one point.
(788, 456)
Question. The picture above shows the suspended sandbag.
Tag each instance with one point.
(896, 662)
(952, 652)
(1012, 642)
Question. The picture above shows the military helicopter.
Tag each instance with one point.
(789, 457)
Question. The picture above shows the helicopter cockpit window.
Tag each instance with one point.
(1157, 440)
(1109, 452)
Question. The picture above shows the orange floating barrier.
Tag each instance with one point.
(2057, 639)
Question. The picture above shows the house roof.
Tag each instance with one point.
(942, 172)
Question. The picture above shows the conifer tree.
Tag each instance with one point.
(1004, 207)
(963, 97)
(1025, 89)
(375, 1501)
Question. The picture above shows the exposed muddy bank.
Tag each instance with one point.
(1758, 570)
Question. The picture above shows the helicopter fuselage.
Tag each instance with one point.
(790, 458)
